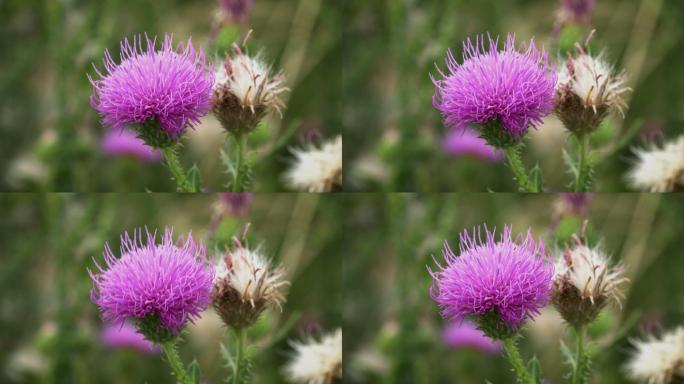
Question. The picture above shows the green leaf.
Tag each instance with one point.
(227, 357)
(194, 372)
(534, 369)
(536, 178)
(194, 179)
(567, 353)
(570, 162)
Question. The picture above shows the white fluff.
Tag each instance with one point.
(592, 80)
(657, 361)
(316, 362)
(250, 273)
(317, 169)
(659, 169)
(589, 271)
(250, 80)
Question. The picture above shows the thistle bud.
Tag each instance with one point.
(245, 91)
(584, 283)
(588, 89)
(245, 285)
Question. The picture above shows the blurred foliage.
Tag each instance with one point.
(392, 326)
(49, 328)
(51, 134)
(392, 47)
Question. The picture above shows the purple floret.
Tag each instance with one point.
(510, 277)
(171, 281)
(170, 87)
(515, 88)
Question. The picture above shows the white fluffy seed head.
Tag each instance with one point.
(317, 169)
(251, 274)
(659, 169)
(588, 270)
(316, 362)
(658, 360)
(593, 80)
(250, 80)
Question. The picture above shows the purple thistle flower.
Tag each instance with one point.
(169, 282)
(465, 142)
(236, 10)
(509, 87)
(235, 203)
(575, 203)
(464, 334)
(509, 278)
(125, 335)
(126, 143)
(578, 11)
(170, 87)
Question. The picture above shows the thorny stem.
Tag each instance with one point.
(176, 169)
(516, 361)
(175, 362)
(239, 354)
(514, 161)
(241, 140)
(583, 168)
(577, 374)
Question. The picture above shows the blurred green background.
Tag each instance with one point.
(50, 134)
(391, 48)
(50, 330)
(393, 328)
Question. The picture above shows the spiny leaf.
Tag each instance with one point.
(194, 178)
(569, 356)
(534, 369)
(194, 372)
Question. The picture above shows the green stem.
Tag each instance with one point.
(583, 168)
(516, 361)
(241, 140)
(518, 168)
(577, 374)
(176, 169)
(239, 354)
(175, 362)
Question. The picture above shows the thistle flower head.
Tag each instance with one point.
(245, 284)
(584, 283)
(498, 283)
(245, 91)
(577, 11)
(159, 286)
(465, 142)
(504, 92)
(316, 362)
(162, 91)
(317, 169)
(125, 335)
(574, 203)
(126, 143)
(462, 334)
(235, 10)
(588, 90)
(235, 204)
(659, 169)
(658, 360)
